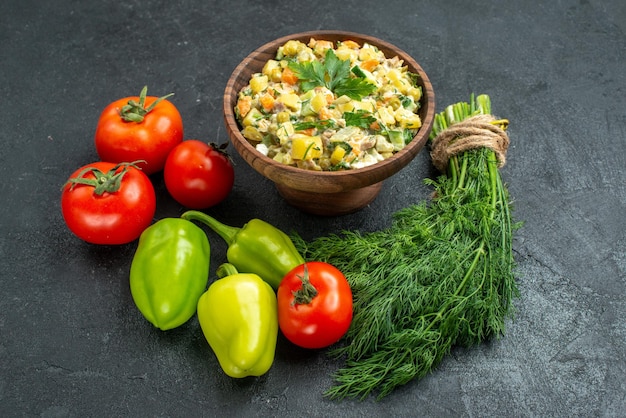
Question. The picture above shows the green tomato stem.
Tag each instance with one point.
(136, 111)
(307, 292)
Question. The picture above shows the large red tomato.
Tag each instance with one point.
(198, 175)
(107, 203)
(314, 305)
(139, 128)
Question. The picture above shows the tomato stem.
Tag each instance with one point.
(109, 182)
(135, 111)
(306, 293)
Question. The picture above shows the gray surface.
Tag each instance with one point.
(72, 342)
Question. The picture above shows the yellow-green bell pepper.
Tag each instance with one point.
(239, 319)
(257, 247)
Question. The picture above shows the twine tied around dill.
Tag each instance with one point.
(474, 132)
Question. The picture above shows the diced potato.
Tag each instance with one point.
(337, 155)
(346, 54)
(342, 100)
(382, 145)
(259, 83)
(305, 147)
(291, 100)
(398, 81)
(345, 107)
(320, 46)
(284, 131)
(368, 106)
(318, 102)
(407, 119)
(273, 70)
(385, 114)
(252, 117)
(415, 93)
(291, 48)
(367, 53)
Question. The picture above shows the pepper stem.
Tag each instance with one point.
(227, 233)
(306, 293)
(225, 270)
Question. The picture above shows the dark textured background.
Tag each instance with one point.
(72, 343)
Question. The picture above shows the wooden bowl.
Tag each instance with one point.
(325, 192)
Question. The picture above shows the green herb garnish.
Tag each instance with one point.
(334, 74)
(360, 119)
(318, 124)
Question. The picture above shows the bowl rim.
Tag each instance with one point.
(370, 174)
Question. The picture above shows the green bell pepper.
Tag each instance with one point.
(170, 271)
(257, 247)
(238, 316)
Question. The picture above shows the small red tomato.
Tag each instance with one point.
(107, 203)
(198, 175)
(314, 305)
(139, 128)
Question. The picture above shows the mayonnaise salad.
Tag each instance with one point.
(330, 106)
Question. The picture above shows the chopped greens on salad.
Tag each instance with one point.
(327, 107)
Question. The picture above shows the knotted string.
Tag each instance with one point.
(474, 132)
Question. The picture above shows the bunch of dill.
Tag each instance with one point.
(440, 275)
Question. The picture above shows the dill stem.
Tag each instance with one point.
(461, 182)
(454, 169)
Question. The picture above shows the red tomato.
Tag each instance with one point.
(101, 205)
(198, 175)
(135, 128)
(324, 319)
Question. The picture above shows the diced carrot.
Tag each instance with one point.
(330, 98)
(288, 76)
(350, 44)
(244, 104)
(370, 64)
(375, 126)
(267, 101)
